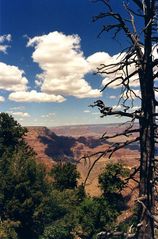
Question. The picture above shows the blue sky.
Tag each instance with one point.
(48, 52)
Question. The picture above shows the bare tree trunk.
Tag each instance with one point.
(147, 135)
(139, 53)
(146, 230)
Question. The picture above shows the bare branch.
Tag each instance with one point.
(124, 79)
(125, 133)
(118, 146)
(113, 148)
(138, 3)
(108, 111)
(134, 38)
(154, 217)
(116, 234)
(131, 17)
(155, 75)
(131, 176)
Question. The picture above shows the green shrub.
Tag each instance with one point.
(65, 176)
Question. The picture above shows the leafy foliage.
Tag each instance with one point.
(7, 229)
(32, 207)
(11, 133)
(22, 189)
(65, 176)
(111, 180)
(67, 218)
(57, 230)
(95, 214)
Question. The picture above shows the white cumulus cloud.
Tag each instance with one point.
(117, 107)
(20, 114)
(63, 65)
(34, 96)
(99, 58)
(87, 111)
(3, 48)
(112, 97)
(3, 39)
(17, 108)
(12, 78)
(49, 115)
(131, 94)
(2, 99)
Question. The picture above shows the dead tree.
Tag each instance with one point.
(140, 55)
